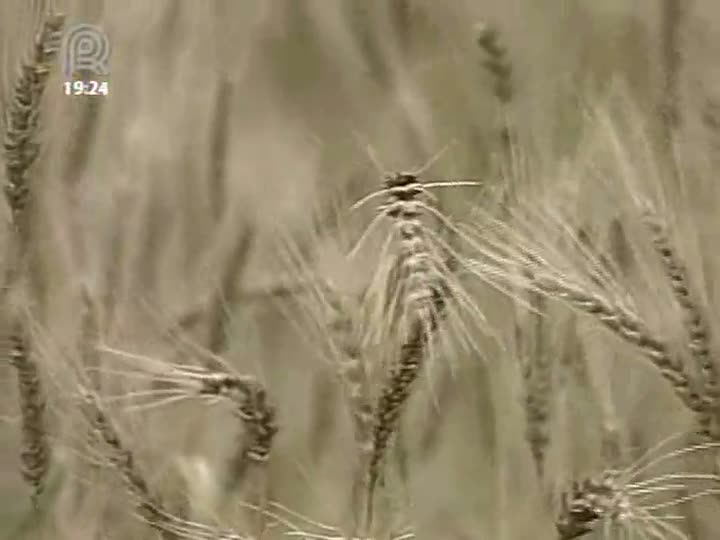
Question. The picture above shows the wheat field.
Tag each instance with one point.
(339, 269)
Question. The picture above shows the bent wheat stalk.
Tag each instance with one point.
(247, 394)
(148, 506)
(253, 408)
(627, 326)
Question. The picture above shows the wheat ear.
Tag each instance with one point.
(35, 454)
(695, 323)
(496, 63)
(256, 413)
(627, 326)
(352, 371)
(424, 302)
(20, 151)
(354, 378)
(22, 115)
(397, 389)
(588, 503)
(630, 501)
(537, 377)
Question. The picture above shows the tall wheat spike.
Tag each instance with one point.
(697, 327)
(21, 149)
(424, 302)
(22, 115)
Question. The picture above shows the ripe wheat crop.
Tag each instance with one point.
(361, 271)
